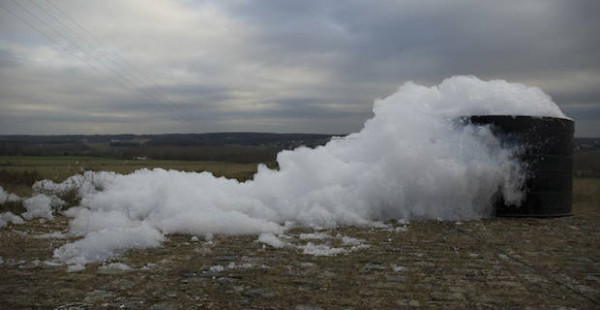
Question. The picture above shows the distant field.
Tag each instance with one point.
(586, 164)
(17, 174)
(230, 147)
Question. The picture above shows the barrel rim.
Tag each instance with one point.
(518, 116)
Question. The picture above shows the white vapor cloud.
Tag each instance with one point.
(412, 160)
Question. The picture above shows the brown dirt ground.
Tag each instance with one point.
(498, 263)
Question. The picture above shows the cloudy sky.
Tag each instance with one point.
(133, 66)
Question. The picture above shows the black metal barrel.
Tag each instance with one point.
(546, 150)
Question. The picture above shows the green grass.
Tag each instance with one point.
(17, 174)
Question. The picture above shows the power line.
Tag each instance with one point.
(101, 44)
(123, 71)
(138, 76)
(120, 76)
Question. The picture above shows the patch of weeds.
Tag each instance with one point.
(70, 197)
(16, 207)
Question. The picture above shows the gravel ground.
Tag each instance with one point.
(498, 263)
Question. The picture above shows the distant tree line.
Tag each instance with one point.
(232, 147)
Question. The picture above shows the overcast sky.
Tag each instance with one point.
(100, 67)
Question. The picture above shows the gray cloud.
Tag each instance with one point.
(286, 66)
(8, 59)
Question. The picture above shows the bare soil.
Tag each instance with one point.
(498, 263)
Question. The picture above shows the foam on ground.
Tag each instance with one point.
(410, 161)
(9, 217)
(7, 197)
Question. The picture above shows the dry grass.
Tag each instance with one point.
(497, 263)
(17, 174)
